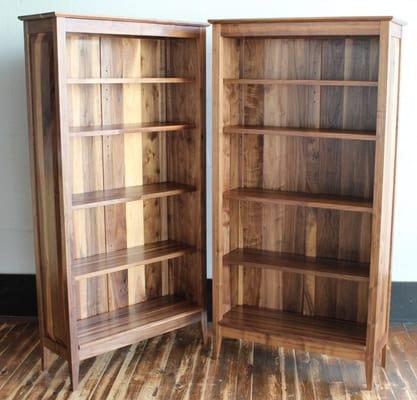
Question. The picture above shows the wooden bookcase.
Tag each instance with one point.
(117, 142)
(304, 132)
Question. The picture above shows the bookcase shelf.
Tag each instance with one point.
(294, 263)
(300, 132)
(340, 203)
(300, 82)
(304, 144)
(119, 204)
(101, 264)
(118, 328)
(280, 328)
(117, 129)
(123, 195)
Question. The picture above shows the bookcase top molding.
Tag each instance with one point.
(54, 14)
(304, 27)
(308, 20)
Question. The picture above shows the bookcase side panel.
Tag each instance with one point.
(384, 192)
(226, 171)
(45, 149)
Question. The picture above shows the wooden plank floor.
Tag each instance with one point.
(178, 366)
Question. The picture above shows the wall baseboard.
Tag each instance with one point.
(18, 298)
(404, 302)
(17, 295)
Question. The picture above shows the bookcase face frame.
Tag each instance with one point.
(117, 134)
(302, 164)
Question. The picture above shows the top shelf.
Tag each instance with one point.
(301, 82)
(93, 81)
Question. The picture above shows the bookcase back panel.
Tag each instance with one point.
(305, 231)
(184, 163)
(311, 165)
(45, 147)
(307, 58)
(322, 166)
(133, 159)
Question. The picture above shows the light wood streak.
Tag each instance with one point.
(117, 129)
(92, 81)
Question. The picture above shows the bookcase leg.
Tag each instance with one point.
(46, 358)
(384, 356)
(369, 367)
(75, 372)
(217, 344)
(204, 331)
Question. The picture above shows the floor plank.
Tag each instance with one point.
(178, 366)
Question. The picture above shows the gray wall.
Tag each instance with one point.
(16, 247)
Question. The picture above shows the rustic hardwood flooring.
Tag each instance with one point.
(178, 366)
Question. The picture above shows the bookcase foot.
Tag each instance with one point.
(369, 368)
(204, 331)
(46, 358)
(217, 344)
(384, 356)
(75, 374)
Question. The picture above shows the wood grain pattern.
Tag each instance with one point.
(299, 82)
(301, 132)
(335, 20)
(306, 27)
(112, 18)
(301, 332)
(298, 264)
(131, 324)
(44, 151)
(106, 263)
(296, 110)
(303, 199)
(106, 108)
(117, 129)
(127, 194)
(123, 80)
(87, 159)
(385, 159)
(244, 370)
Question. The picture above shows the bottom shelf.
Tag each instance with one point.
(124, 326)
(279, 328)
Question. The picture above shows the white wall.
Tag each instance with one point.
(16, 248)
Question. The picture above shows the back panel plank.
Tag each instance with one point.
(153, 105)
(309, 165)
(83, 53)
(185, 160)
(113, 162)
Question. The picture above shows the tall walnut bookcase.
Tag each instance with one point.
(117, 143)
(304, 132)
